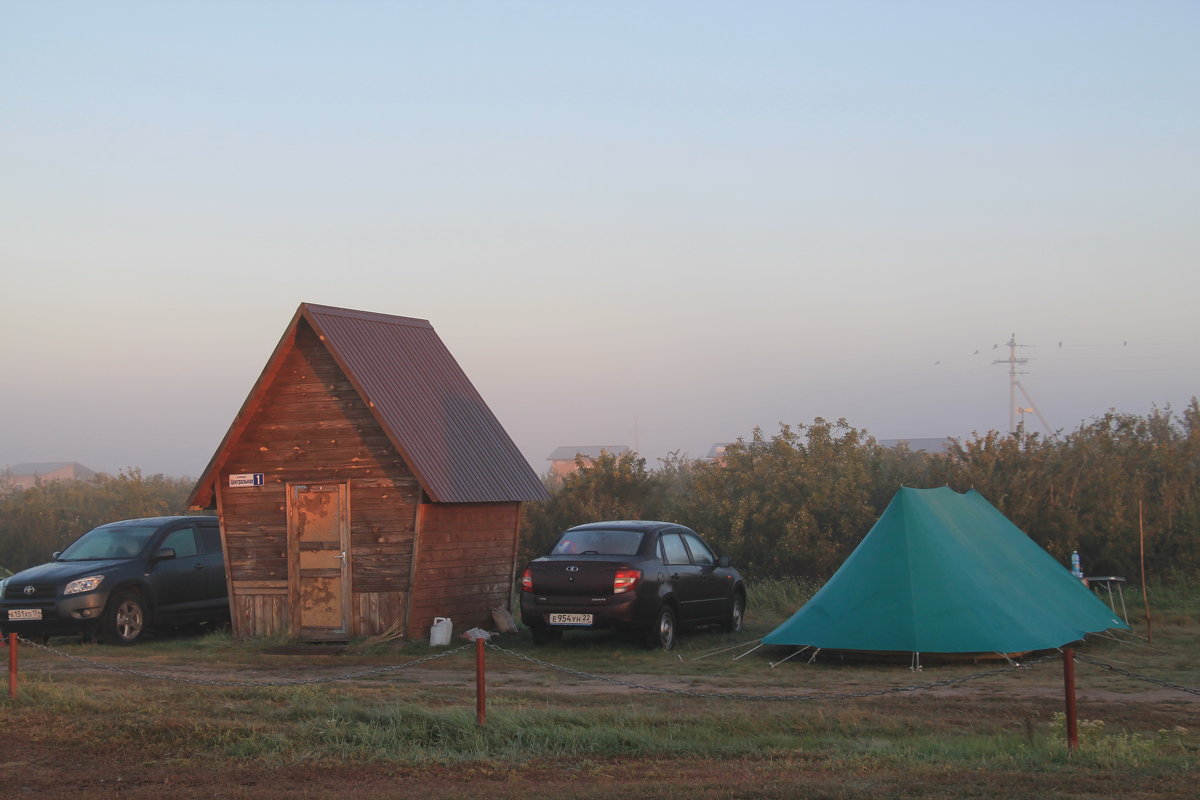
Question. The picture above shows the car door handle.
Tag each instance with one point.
(197, 566)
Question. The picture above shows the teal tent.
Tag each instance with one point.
(942, 572)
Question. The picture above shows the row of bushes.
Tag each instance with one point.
(797, 502)
(38, 521)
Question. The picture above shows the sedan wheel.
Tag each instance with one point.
(663, 633)
(736, 617)
(125, 621)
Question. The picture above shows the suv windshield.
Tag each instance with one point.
(109, 541)
(600, 543)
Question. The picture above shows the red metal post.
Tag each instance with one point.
(12, 666)
(1072, 725)
(480, 685)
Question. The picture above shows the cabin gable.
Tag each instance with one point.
(364, 488)
(312, 427)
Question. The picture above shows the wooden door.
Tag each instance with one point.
(319, 561)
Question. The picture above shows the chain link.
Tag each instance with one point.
(605, 679)
(282, 682)
(770, 697)
(1135, 675)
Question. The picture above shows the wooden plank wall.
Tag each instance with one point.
(465, 562)
(260, 609)
(312, 426)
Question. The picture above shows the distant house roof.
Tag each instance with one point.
(420, 397)
(569, 452)
(717, 450)
(928, 445)
(46, 467)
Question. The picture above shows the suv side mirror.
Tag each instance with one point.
(54, 556)
(725, 562)
(164, 554)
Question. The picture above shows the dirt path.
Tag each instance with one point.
(43, 756)
(504, 674)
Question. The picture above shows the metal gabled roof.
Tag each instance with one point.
(422, 400)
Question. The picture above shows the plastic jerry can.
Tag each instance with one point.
(439, 634)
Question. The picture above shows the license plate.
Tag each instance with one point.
(570, 619)
(24, 613)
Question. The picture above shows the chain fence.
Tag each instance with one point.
(348, 676)
(1135, 675)
(772, 697)
(591, 676)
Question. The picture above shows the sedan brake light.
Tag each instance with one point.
(527, 580)
(626, 580)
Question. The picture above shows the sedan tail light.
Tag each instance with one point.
(626, 580)
(527, 580)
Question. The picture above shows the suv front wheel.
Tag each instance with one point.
(126, 619)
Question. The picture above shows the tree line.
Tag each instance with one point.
(796, 503)
(45, 518)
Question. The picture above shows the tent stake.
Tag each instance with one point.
(718, 651)
(785, 658)
(748, 652)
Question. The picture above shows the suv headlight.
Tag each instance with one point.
(83, 584)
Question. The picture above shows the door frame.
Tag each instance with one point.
(344, 631)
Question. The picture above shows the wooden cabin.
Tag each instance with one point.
(365, 487)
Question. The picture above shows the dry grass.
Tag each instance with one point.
(412, 733)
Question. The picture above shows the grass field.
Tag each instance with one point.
(554, 733)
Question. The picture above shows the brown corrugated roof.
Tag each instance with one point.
(423, 401)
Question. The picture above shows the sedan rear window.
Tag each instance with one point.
(673, 551)
(598, 543)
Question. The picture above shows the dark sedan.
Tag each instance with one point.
(649, 578)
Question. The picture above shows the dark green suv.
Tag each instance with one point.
(122, 579)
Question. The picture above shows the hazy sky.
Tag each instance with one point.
(640, 223)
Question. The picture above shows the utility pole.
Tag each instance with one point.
(1013, 362)
(1013, 385)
